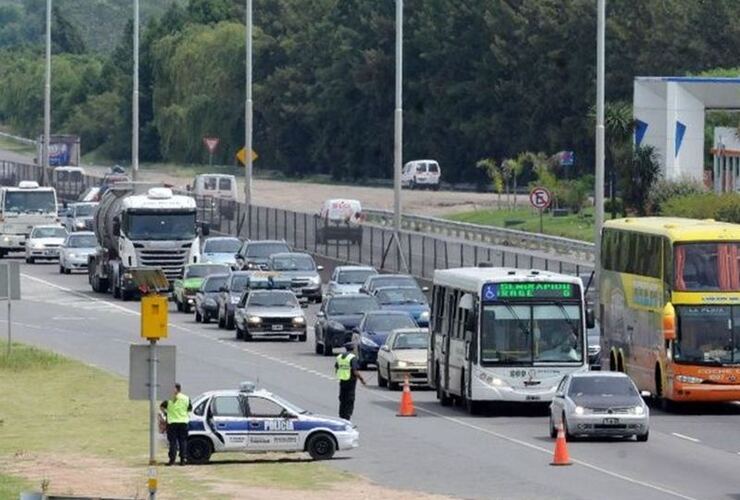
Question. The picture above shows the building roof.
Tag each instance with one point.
(714, 92)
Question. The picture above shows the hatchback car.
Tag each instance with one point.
(599, 404)
(270, 314)
(337, 317)
(404, 354)
(206, 306)
(408, 299)
(185, 289)
(302, 271)
(44, 242)
(220, 250)
(378, 280)
(373, 331)
(79, 217)
(256, 254)
(76, 250)
(348, 279)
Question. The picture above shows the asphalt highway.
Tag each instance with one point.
(505, 453)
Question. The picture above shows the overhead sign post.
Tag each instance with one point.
(211, 144)
(540, 198)
(10, 290)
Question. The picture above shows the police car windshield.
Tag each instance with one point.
(354, 277)
(406, 295)
(264, 250)
(388, 322)
(203, 271)
(293, 263)
(272, 299)
(214, 284)
(290, 406)
(82, 241)
(222, 246)
(351, 305)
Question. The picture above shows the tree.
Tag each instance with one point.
(493, 171)
(640, 179)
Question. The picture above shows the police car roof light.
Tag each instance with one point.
(246, 387)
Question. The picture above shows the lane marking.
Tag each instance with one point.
(687, 438)
(447, 418)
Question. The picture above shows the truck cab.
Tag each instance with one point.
(21, 208)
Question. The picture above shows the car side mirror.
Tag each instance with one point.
(425, 289)
(320, 268)
(385, 348)
(590, 318)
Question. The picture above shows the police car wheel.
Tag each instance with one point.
(199, 450)
(321, 446)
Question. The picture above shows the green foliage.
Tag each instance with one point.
(724, 207)
(639, 180)
(665, 190)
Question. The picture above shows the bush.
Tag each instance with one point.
(618, 206)
(572, 194)
(664, 190)
(724, 207)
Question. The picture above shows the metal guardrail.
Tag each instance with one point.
(23, 140)
(487, 234)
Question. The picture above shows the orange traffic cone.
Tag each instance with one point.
(407, 404)
(561, 457)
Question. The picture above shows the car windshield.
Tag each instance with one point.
(222, 246)
(272, 299)
(214, 283)
(83, 210)
(707, 266)
(82, 241)
(239, 283)
(708, 335)
(293, 263)
(356, 277)
(383, 281)
(49, 232)
(388, 322)
(203, 271)
(401, 296)
(264, 250)
(160, 226)
(416, 340)
(30, 201)
(526, 334)
(351, 305)
(601, 386)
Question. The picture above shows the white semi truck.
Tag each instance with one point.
(21, 208)
(142, 227)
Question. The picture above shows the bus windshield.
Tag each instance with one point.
(707, 267)
(708, 335)
(528, 334)
(30, 201)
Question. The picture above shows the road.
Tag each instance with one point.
(504, 454)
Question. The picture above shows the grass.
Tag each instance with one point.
(8, 144)
(60, 406)
(578, 226)
(10, 486)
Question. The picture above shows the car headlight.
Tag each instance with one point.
(299, 320)
(36, 245)
(401, 364)
(235, 300)
(368, 342)
(336, 325)
(637, 410)
(128, 276)
(688, 379)
(79, 224)
(424, 315)
(72, 255)
(255, 320)
(497, 382)
(6, 239)
(579, 410)
(314, 280)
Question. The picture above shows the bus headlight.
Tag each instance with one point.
(688, 379)
(497, 382)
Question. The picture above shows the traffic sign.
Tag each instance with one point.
(540, 198)
(242, 157)
(211, 143)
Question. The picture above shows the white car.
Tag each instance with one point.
(420, 174)
(44, 242)
(404, 354)
(76, 250)
(348, 279)
(257, 421)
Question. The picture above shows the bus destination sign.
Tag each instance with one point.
(528, 290)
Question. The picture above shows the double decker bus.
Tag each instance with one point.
(500, 334)
(669, 305)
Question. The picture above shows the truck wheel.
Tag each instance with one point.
(199, 450)
(321, 446)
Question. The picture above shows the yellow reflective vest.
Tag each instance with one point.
(344, 366)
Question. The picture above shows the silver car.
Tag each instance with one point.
(79, 216)
(220, 250)
(599, 404)
(44, 242)
(302, 271)
(270, 314)
(348, 279)
(75, 251)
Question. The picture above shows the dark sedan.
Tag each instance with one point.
(336, 319)
(229, 298)
(206, 305)
(373, 331)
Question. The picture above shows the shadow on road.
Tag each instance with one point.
(264, 461)
(695, 409)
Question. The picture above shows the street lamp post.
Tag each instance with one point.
(135, 99)
(248, 118)
(47, 98)
(398, 122)
(599, 187)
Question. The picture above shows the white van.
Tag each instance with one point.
(421, 174)
(339, 220)
(215, 185)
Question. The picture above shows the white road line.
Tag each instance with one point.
(454, 420)
(683, 436)
(74, 292)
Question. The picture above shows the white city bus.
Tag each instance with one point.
(21, 208)
(500, 334)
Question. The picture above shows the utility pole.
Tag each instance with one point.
(135, 99)
(599, 187)
(248, 118)
(47, 98)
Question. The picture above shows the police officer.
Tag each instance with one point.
(177, 410)
(348, 373)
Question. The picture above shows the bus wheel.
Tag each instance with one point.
(620, 362)
(442, 396)
(612, 362)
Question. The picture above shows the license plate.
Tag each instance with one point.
(277, 328)
(611, 421)
(532, 398)
(49, 252)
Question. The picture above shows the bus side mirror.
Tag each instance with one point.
(590, 318)
(669, 322)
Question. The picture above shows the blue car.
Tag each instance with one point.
(407, 299)
(374, 329)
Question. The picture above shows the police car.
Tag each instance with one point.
(254, 421)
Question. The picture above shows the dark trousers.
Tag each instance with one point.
(347, 398)
(177, 436)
